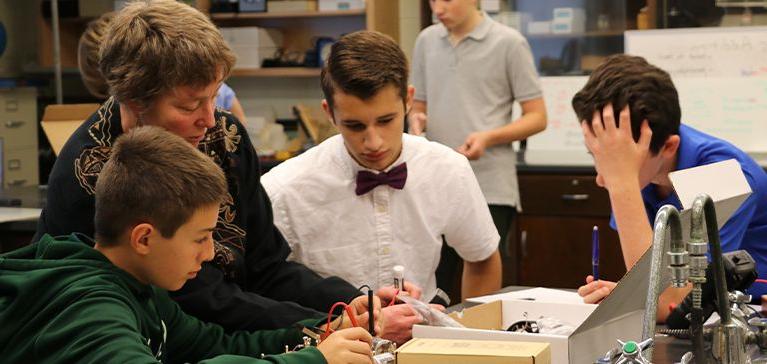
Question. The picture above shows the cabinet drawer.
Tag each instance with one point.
(20, 167)
(563, 195)
(18, 118)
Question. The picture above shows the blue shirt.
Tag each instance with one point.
(225, 97)
(747, 227)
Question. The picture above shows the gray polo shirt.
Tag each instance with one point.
(471, 87)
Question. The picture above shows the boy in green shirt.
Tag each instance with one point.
(74, 300)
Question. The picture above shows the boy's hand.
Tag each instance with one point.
(595, 291)
(618, 159)
(360, 307)
(474, 146)
(399, 323)
(387, 292)
(417, 123)
(347, 346)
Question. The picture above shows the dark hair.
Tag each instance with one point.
(648, 90)
(88, 55)
(362, 63)
(153, 46)
(156, 177)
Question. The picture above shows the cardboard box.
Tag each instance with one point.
(597, 327)
(255, 37)
(438, 351)
(252, 44)
(287, 6)
(723, 181)
(60, 121)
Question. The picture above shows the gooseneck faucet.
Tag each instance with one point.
(729, 337)
(688, 262)
(667, 224)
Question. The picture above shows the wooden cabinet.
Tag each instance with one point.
(550, 242)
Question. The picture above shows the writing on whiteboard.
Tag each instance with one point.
(703, 52)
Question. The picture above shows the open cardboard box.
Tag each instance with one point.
(60, 122)
(620, 315)
(597, 326)
(439, 351)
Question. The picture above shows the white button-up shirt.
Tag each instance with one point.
(361, 238)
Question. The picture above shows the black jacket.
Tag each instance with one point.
(249, 285)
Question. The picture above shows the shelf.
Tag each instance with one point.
(276, 72)
(284, 15)
(35, 70)
(595, 33)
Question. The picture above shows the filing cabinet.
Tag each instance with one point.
(551, 241)
(18, 136)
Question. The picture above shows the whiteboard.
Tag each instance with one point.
(703, 52)
(730, 108)
(563, 132)
(719, 73)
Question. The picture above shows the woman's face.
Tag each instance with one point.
(185, 111)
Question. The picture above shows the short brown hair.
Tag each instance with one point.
(154, 46)
(362, 63)
(648, 90)
(157, 177)
(88, 55)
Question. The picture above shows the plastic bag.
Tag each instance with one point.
(431, 316)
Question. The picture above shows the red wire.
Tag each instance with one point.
(394, 299)
(328, 330)
(350, 312)
(761, 280)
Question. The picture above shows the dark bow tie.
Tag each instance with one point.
(366, 180)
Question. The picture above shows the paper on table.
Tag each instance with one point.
(8, 214)
(539, 294)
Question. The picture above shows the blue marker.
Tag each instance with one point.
(595, 253)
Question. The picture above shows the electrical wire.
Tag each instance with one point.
(393, 299)
(349, 311)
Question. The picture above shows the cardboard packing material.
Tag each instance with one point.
(439, 351)
(597, 327)
(620, 315)
(60, 121)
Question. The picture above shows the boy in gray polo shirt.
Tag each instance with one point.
(467, 71)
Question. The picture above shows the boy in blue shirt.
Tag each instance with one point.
(630, 115)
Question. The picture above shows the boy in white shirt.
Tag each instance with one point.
(373, 197)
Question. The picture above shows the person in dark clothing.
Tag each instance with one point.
(72, 299)
(164, 62)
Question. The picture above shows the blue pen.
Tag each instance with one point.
(595, 252)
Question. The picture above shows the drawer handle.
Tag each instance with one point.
(17, 182)
(14, 164)
(575, 196)
(523, 243)
(14, 123)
